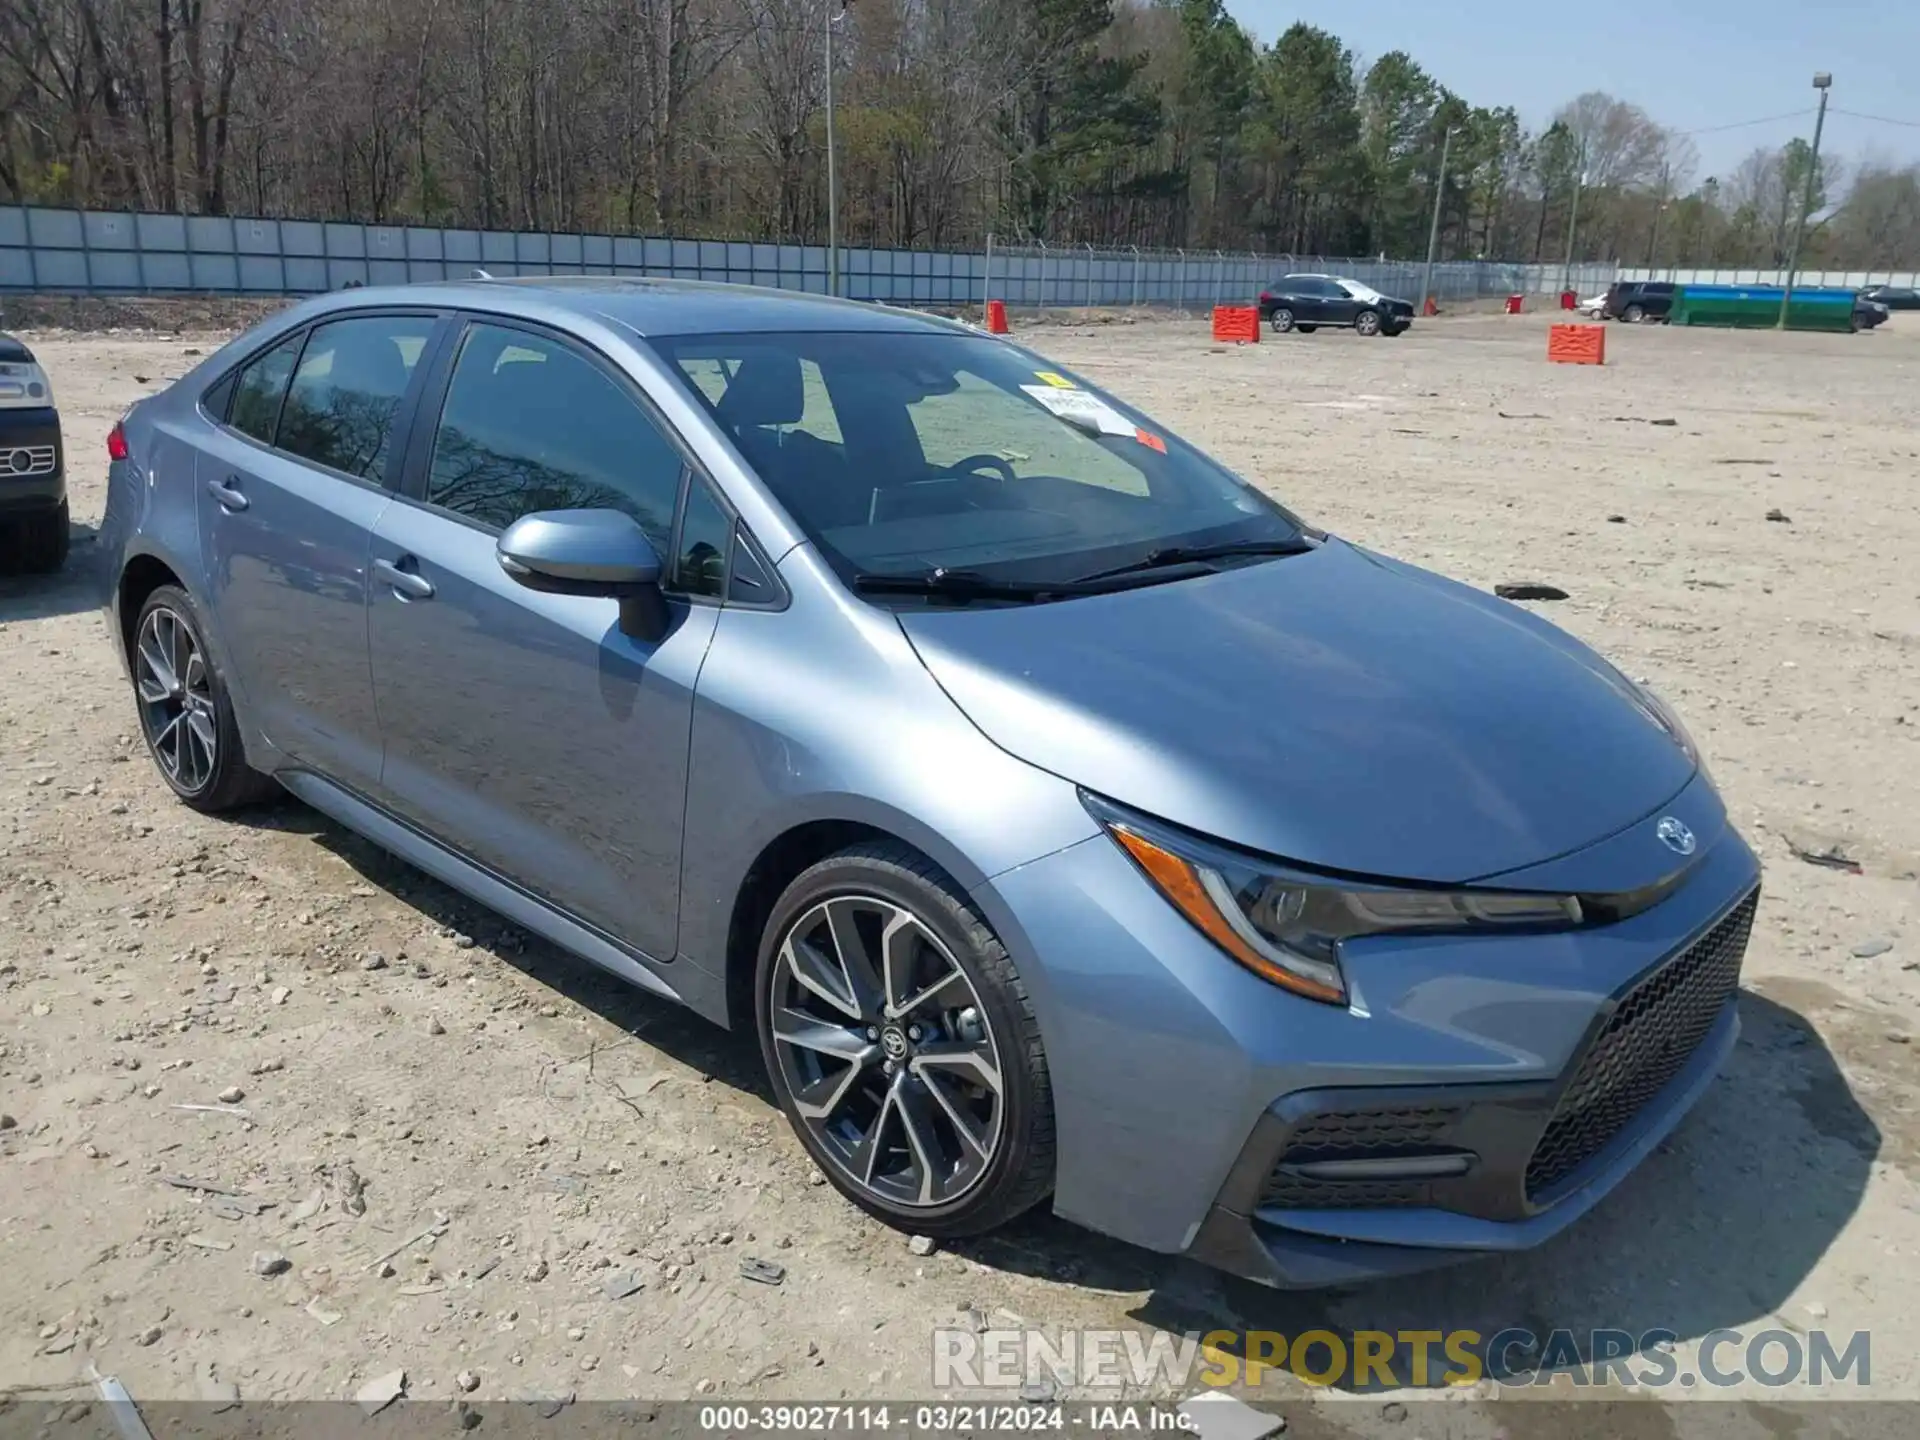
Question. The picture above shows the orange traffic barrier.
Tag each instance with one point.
(1240, 323)
(1431, 309)
(997, 316)
(1577, 344)
(1515, 303)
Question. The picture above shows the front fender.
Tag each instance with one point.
(822, 712)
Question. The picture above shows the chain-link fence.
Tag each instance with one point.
(52, 251)
(1041, 276)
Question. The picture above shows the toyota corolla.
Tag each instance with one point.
(1069, 819)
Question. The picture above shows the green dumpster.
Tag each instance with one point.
(1757, 307)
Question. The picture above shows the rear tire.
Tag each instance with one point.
(901, 1045)
(1367, 323)
(41, 540)
(1281, 321)
(185, 714)
(1635, 314)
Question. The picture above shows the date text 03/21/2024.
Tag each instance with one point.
(977, 1419)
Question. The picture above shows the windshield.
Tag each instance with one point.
(904, 453)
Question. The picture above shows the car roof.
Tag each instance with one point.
(645, 306)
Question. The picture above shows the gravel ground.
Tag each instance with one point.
(455, 1146)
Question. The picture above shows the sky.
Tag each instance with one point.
(1690, 64)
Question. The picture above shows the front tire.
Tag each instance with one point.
(901, 1044)
(1367, 323)
(185, 714)
(1307, 329)
(1281, 321)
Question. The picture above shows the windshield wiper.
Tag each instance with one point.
(962, 585)
(1168, 555)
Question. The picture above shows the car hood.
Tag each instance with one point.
(1337, 708)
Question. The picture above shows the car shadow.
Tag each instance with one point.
(1715, 1230)
(70, 590)
(725, 1056)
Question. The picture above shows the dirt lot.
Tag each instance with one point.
(552, 1130)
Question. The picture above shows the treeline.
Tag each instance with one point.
(1111, 122)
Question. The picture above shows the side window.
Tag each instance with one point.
(352, 376)
(750, 584)
(706, 530)
(530, 424)
(259, 389)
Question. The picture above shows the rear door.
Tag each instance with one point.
(1307, 302)
(525, 730)
(290, 485)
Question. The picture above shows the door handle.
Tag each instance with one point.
(227, 492)
(404, 583)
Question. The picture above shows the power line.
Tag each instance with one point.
(1763, 120)
(1877, 119)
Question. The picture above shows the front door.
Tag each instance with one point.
(290, 487)
(523, 729)
(1337, 306)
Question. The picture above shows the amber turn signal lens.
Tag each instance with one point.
(1181, 884)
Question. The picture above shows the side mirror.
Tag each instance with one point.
(589, 552)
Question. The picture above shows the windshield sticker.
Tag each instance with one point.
(1053, 378)
(1079, 409)
(1150, 440)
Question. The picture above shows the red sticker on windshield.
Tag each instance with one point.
(1150, 440)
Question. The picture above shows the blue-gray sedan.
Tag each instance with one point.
(1067, 817)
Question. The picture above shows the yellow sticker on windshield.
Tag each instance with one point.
(1059, 382)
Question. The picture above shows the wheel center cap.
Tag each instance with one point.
(893, 1040)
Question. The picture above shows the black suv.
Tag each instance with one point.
(1894, 297)
(1306, 302)
(1637, 300)
(33, 479)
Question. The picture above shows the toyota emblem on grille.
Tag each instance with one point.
(1675, 835)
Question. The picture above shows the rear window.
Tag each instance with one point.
(347, 390)
(261, 386)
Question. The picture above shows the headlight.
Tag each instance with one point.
(1287, 926)
(23, 386)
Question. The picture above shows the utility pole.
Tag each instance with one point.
(1433, 233)
(1573, 217)
(1710, 191)
(1653, 245)
(1823, 82)
(833, 183)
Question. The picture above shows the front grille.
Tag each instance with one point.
(1358, 1135)
(1645, 1042)
(26, 460)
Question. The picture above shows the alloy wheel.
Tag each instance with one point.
(887, 1051)
(176, 700)
(1368, 323)
(1281, 321)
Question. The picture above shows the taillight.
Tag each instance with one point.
(1265, 296)
(117, 442)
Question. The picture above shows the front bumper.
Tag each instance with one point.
(33, 473)
(1183, 1084)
